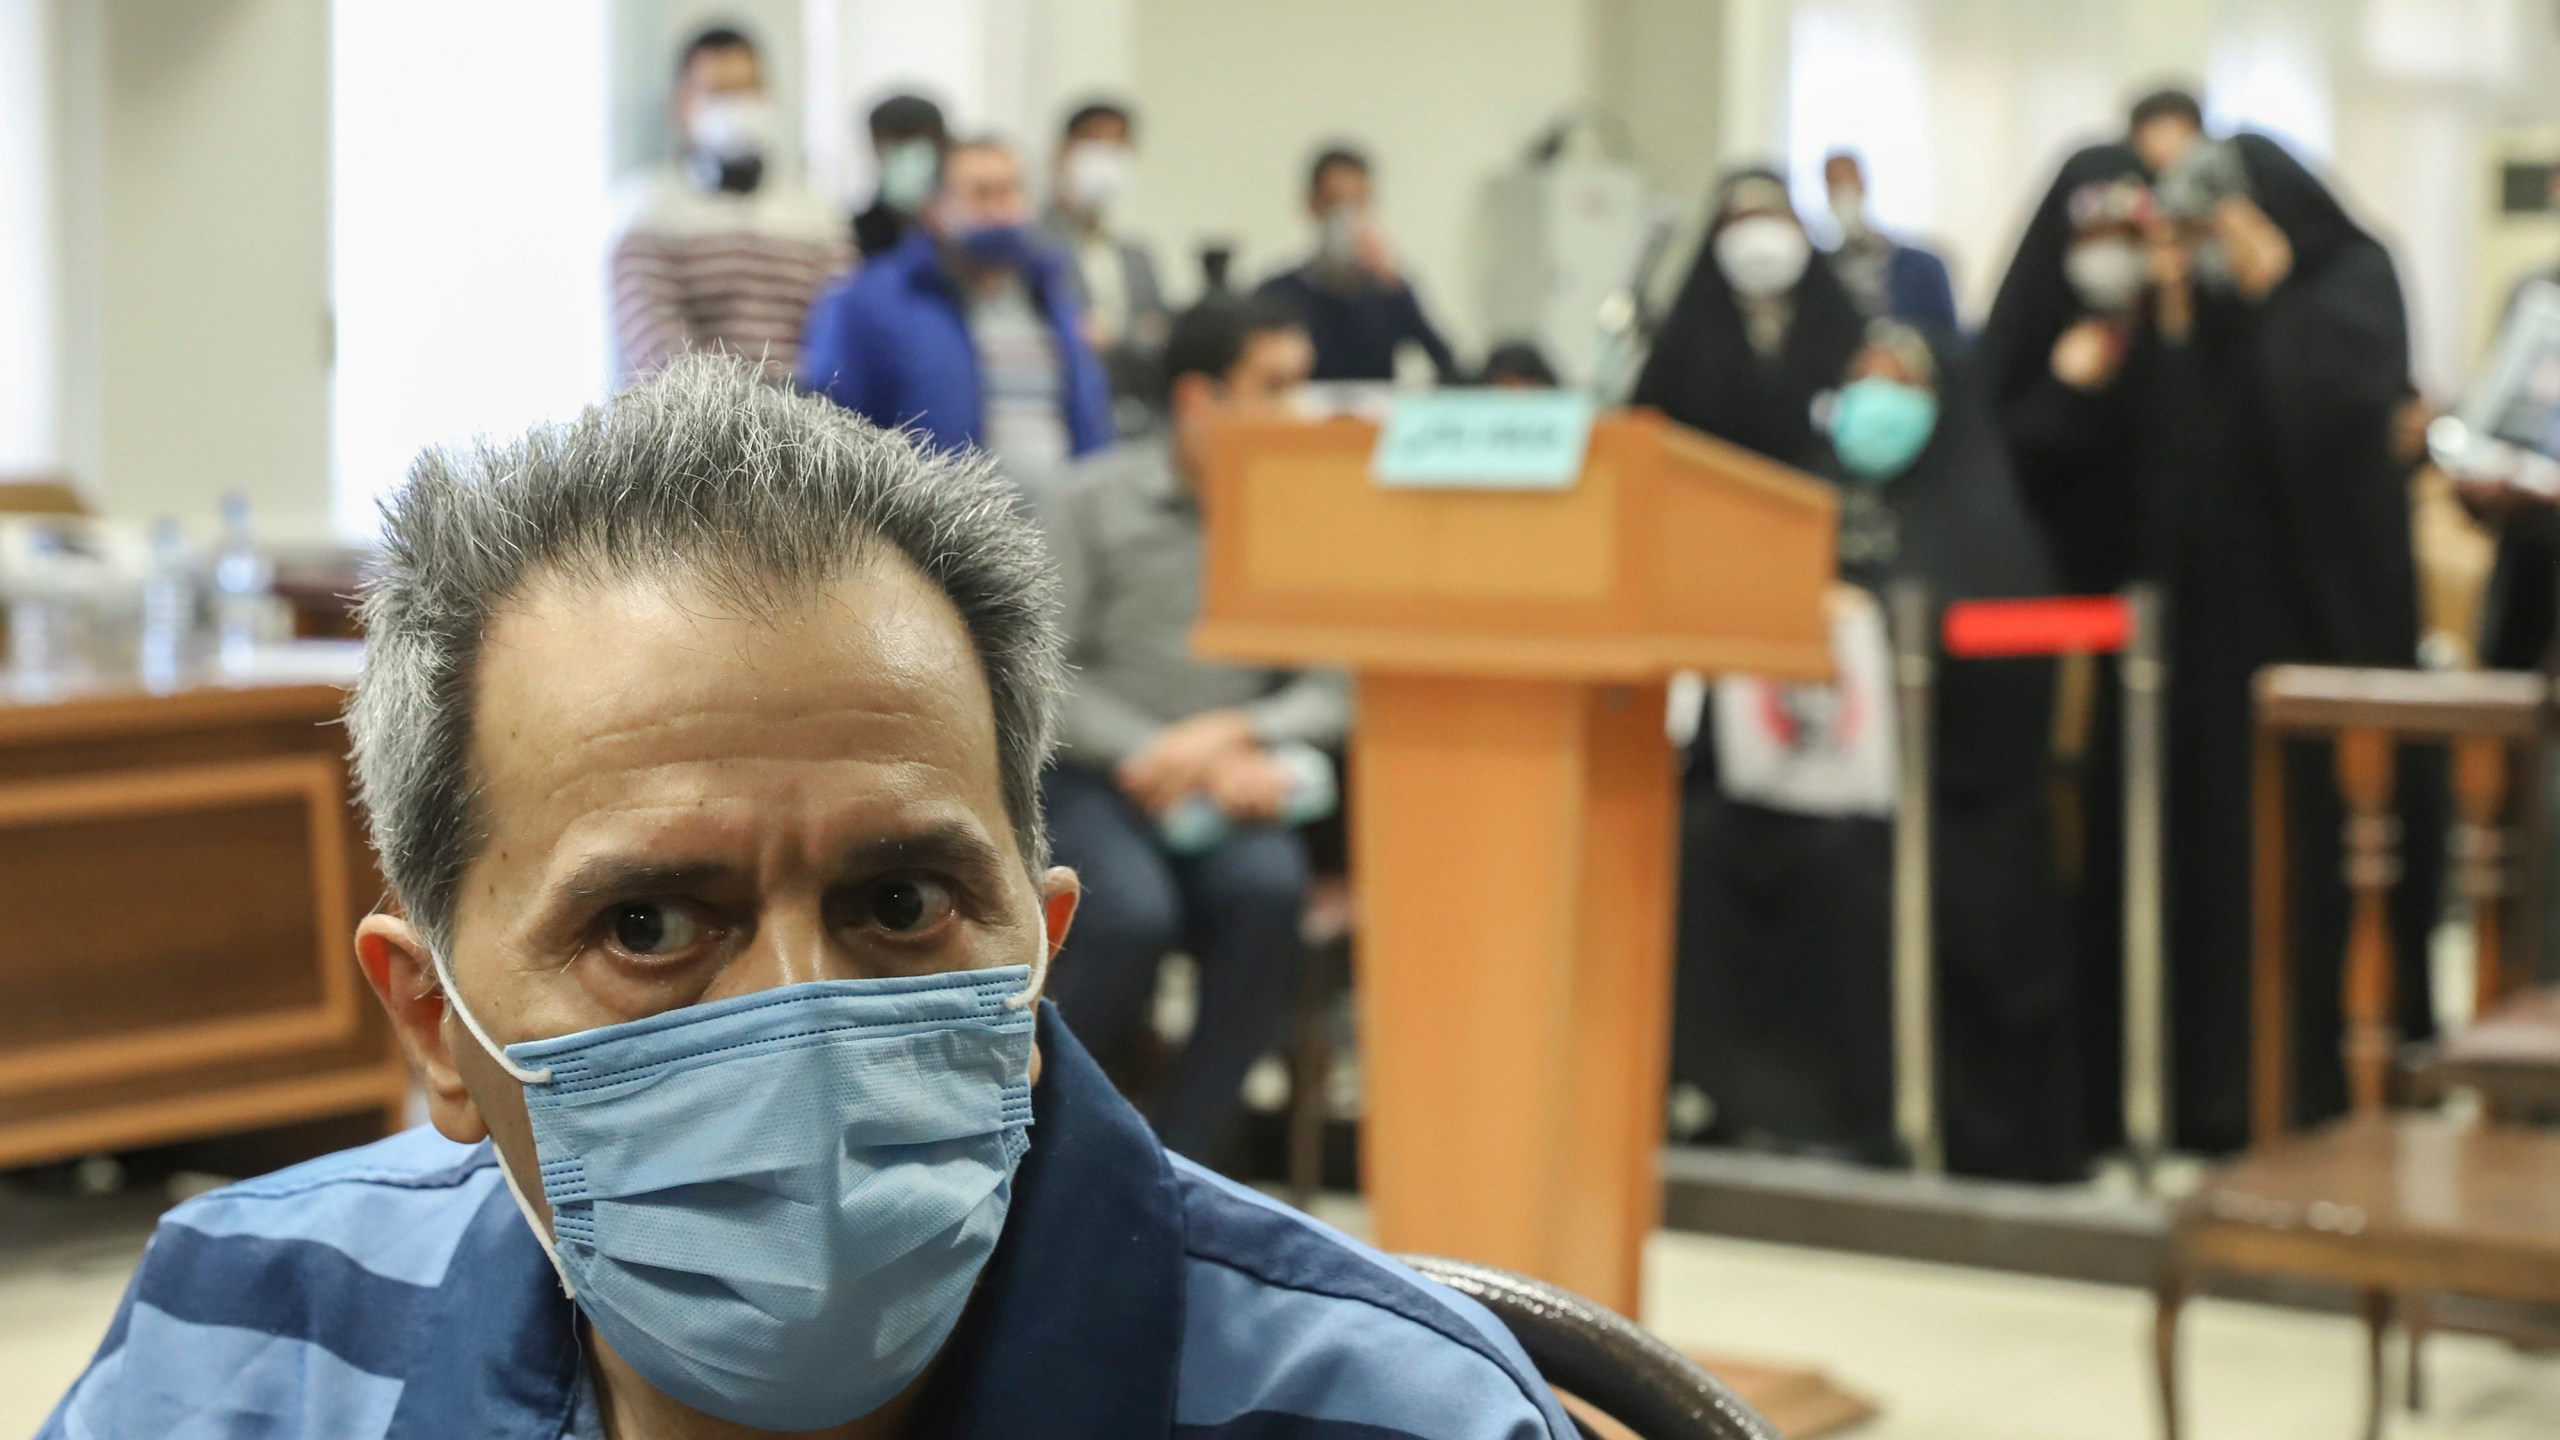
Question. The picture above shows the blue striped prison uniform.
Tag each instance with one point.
(394, 1293)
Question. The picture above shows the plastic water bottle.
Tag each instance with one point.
(41, 642)
(168, 650)
(1195, 823)
(53, 617)
(244, 583)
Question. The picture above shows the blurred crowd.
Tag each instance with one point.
(2195, 377)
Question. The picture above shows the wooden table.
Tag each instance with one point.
(182, 874)
(2396, 1207)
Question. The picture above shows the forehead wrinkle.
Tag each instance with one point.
(564, 790)
(918, 675)
(872, 718)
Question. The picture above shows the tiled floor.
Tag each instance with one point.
(1948, 1354)
(56, 1298)
(1953, 1354)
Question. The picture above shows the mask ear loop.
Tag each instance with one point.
(506, 1172)
(1029, 995)
(471, 1022)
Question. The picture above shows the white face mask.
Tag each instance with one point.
(1849, 210)
(1762, 255)
(2107, 275)
(732, 127)
(1096, 175)
(1338, 236)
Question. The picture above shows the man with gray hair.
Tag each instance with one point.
(700, 738)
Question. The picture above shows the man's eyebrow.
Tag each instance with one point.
(612, 877)
(615, 877)
(955, 844)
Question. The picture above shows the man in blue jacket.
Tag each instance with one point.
(966, 331)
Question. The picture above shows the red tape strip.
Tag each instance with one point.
(2058, 625)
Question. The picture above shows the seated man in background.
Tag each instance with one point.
(700, 738)
(1114, 272)
(967, 331)
(1149, 734)
(1358, 306)
(721, 252)
(1517, 365)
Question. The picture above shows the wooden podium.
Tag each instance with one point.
(1515, 799)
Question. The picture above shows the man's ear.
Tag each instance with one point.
(1191, 395)
(1060, 892)
(396, 959)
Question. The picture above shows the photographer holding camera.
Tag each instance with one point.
(2199, 359)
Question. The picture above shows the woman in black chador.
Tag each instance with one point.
(2067, 356)
(1758, 329)
(2223, 430)
(1785, 925)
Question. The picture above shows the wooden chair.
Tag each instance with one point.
(2397, 1207)
(1324, 961)
(1642, 1386)
(2510, 1056)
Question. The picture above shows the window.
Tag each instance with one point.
(1857, 80)
(469, 228)
(29, 440)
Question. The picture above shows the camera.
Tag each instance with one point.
(2209, 173)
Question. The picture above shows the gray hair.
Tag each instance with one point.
(702, 475)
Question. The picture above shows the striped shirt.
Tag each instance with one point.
(1024, 424)
(395, 1293)
(695, 269)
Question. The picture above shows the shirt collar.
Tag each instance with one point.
(1075, 1330)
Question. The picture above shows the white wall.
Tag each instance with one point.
(196, 260)
(1238, 94)
(1657, 68)
(30, 286)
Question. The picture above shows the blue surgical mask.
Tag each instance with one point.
(1008, 245)
(1878, 427)
(775, 1206)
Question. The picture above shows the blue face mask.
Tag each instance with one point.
(1878, 427)
(775, 1206)
(996, 244)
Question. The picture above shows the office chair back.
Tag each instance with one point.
(1602, 1358)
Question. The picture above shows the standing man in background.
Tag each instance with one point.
(721, 252)
(1147, 729)
(1359, 307)
(1114, 275)
(967, 331)
(907, 140)
(1888, 278)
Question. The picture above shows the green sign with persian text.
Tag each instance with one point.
(1489, 439)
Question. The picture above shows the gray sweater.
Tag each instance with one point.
(1126, 534)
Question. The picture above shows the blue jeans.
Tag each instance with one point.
(1233, 908)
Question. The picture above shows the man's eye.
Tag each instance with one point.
(653, 927)
(904, 904)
